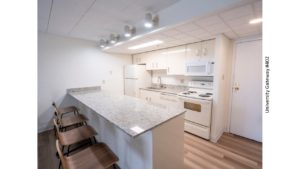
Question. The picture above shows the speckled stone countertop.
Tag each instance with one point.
(133, 115)
(164, 90)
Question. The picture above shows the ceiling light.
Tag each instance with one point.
(113, 38)
(144, 45)
(129, 30)
(150, 20)
(255, 21)
(102, 43)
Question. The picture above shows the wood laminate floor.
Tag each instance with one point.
(231, 152)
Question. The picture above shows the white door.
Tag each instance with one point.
(246, 112)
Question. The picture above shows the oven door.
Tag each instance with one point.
(197, 110)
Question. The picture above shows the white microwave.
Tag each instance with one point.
(200, 67)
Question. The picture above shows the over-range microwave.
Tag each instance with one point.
(200, 67)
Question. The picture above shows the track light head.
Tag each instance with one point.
(102, 43)
(148, 20)
(129, 31)
(113, 38)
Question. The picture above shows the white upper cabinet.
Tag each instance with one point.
(155, 60)
(208, 48)
(176, 58)
(139, 58)
(200, 50)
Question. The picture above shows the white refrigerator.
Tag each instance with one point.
(135, 77)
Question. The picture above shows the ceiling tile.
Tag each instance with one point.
(187, 27)
(247, 29)
(211, 20)
(66, 13)
(237, 12)
(181, 36)
(231, 35)
(154, 5)
(44, 7)
(244, 20)
(197, 32)
(171, 32)
(217, 28)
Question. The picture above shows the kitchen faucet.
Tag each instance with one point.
(159, 81)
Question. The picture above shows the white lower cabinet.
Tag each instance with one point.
(150, 96)
(168, 99)
(162, 98)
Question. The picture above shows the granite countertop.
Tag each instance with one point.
(133, 115)
(165, 90)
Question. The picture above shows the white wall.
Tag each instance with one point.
(222, 79)
(67, 63)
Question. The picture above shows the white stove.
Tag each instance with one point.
(196, 93)
(197, 101)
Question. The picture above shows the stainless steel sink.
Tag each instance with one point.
(156, 88)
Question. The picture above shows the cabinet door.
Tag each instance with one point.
(136, 59)
(140, 58)
(176, 58)
(144, 94)
(149, 60)
(155, 60)
(193, 51)
(169, 99)
(208, 49)
(159, 60)
(150, 96)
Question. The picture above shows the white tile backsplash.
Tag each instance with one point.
(175, 79)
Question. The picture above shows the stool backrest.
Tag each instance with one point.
(59, 112)
(55, 121)
(61, 156)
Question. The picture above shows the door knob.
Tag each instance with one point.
(236, 87)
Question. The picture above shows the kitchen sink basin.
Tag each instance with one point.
(156, 88)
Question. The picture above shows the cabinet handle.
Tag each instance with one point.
(168, 69)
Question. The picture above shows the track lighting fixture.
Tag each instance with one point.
(114, 38)
(150, 20)
(129, 31)
(102, 43)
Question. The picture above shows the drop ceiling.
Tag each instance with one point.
(96, 19)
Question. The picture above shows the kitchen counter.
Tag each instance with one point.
(132, 115)
(142, 134)
(165, 90)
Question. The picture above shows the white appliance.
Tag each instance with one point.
(135, 77)
(197, 101)
(200, 67)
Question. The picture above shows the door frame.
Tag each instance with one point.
(232, 77)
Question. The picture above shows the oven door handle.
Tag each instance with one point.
(196, 101)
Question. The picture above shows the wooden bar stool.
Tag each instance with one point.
(75, 135)
(97, 156)
(67, 121)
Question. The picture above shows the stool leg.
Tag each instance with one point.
(95, 139)
(59, 164)
(54, 129)
(115, 167)
(68, 150)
